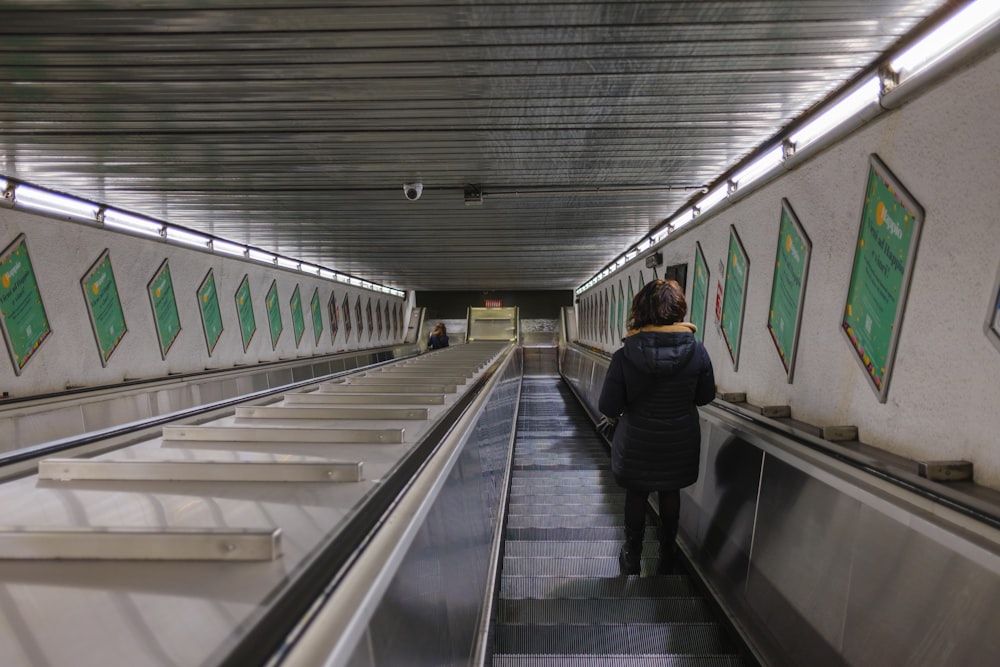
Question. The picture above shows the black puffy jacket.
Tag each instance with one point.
(653, 385)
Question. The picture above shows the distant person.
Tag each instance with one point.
(653, 385)
(438, 337)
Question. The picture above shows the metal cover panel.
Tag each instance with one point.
(294, 127)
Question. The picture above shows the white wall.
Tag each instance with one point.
(62, 252)
(943, 399)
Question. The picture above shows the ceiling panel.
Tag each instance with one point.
(293, 128)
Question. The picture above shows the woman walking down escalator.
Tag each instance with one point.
(654, 384)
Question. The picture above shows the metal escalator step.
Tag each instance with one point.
(512, 660)
(613, 639)
(562, 505)
(563, 533)
(628, 610)
(553, 466)
(569, 549)
(595, 587)
(563, 521)
(561, 567)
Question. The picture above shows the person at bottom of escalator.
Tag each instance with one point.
(438, 337)
(653, 386)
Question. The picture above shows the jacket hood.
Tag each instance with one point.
(661, 349)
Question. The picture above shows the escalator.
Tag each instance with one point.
(562, 599)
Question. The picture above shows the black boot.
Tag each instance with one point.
(668, 551)
(630, 557)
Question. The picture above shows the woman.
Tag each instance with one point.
(653, 384)
(438, 337)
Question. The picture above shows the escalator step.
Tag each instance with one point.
(562, 533)
(569, 549)
(628, 610)
(613, 639)
(617, 661)
(529, 503)
(563, 521)
(583, 588)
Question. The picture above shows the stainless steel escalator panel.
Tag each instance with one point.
(316, 398)
(325, 412)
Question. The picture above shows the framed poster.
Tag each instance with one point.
(612, 314)
(273, 309)
(388, 326)
(357, 317)
(368, 311)
(22, 314)
(788, 288)
(165, 316)
(244, 310)
(317, 314)
(298, 319)
(345, 310)
(993, 316)
(331, 306)
(104, 306)
(378, 319)
(395, 323)
(699, 292)
(622, 310)
(734, 297)
(880, 277)
(211, 315)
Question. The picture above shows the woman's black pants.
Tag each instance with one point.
(670, 509)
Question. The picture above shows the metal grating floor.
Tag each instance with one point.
(563, 600)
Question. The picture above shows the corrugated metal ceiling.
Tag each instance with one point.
(293, 126)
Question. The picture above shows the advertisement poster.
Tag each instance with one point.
(788, 288)
(244, 309)
(378, 319)
(735, 295)
(880, 276)
(104, 306)
(211, 314)
(368, 311)
(699, 292)
(273, 309)
(298, 318)
(357, 317)
(317, 315)
(622, 310)
(345, 310)
(165, 315)
(331, 306)
(22, 313)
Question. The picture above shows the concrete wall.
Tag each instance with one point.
(62, 252)
(944, 389)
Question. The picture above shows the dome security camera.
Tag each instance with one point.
(412, 191)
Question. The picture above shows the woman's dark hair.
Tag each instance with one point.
(659, 302)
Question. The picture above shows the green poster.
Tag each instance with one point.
(244, 310)
(211, 315)
(788, 287)
(273, 309)
(622, 310)
(631, 297)
(22, 313)
(734, 297)
(298, 319)
(699, 292)
(317, 315)
(104, 306)
(165, 316)
(612, 314)
(883, 258)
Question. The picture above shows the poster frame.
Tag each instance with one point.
(733, 347)
(992, 324)
(316, 310)
(298, 323)
(8, 341)
(105, 358)
(273, 314)
(201, 309)
(790, 355)
(879, 168)
(699, 255)
(245, 284)
(165, 264)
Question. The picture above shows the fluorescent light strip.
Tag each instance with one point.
(132, 223)
(759, 167)
(260, 256)
(972, 21)
(228, 248)
(42, 200)
(286, 263)
(713, 198)
(186, 237)
(863, 96)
